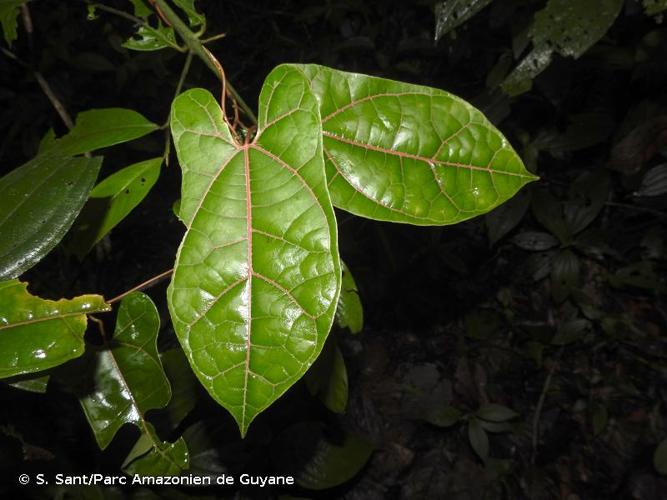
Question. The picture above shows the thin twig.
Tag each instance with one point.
(195, 45)
(142, 286)
(55, 102)
(540, 405)
(120, 13)
(179, 87)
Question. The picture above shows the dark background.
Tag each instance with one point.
(461, 315)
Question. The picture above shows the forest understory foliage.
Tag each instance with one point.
(518, 353)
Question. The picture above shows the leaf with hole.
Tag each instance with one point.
(39, 202)
(412, 154)
(450, 14)
(37, 334)
(565, 27)
(147, 39)
(188, 6)
(257, 275)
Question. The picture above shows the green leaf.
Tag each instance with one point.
(660, 458)
(112, 200)
(141, 9)
(571, 331)
(9, 12)
(101, 128)
(452, 13)
(149, 39)
(327, 379)
(412, 154)
(479, 441)
(36, 334)
(316, 461)
(257, 276)
(39, 202)
(507, 216)
(566, 27)
(495, 413)
(653, 7)
(128, 379)
(30, 383)
(188, 6)
(151, 457)
(350, 312)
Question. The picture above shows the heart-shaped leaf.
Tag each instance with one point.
(39, 202)
(407, 153)
(257, 275)
(36, 334)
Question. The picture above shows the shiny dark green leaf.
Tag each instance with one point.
(257, 276)
(452, 13)
(412, 154)
(350, 311)
(152, 457)
(36, 334)
(549, 212)
(112, 200)
(128, 379)
(588, 195)
(101, 128)
(38, 204)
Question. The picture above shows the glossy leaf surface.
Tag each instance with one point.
(112, 200)
(257, 275)
(407, 153)
(350, 311)
(152, 457)
(36, 334)
(101, 128)
(38, 204)
(128, 379)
